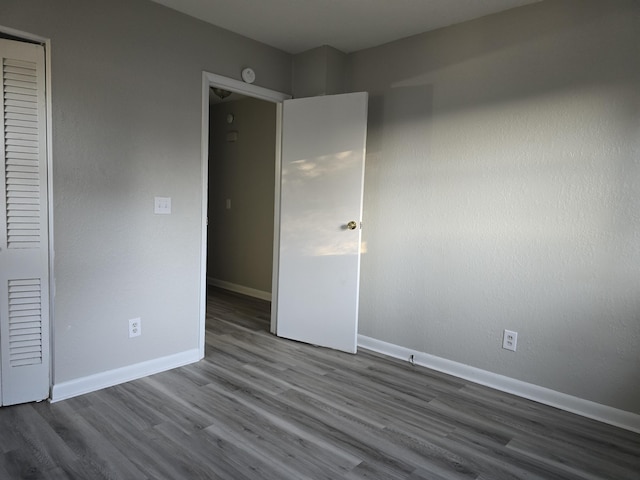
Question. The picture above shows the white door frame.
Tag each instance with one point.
(249, 90)
(46, 43)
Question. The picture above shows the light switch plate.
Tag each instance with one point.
(162, 206)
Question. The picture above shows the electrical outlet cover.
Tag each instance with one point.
(135, 327)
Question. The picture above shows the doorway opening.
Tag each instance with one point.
(243, 166)
(242, 142)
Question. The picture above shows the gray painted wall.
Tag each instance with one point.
(241, 238)
(126, 92)
(502, 185)
(319, 71)
(503, 191)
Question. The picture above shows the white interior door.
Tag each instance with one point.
(24, 262)
(323, 150)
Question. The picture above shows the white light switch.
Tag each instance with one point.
(162, 206)
(228, 204)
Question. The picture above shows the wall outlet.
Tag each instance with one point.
(135, 327)
(510, 340)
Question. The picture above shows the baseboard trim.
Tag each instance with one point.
(569, 403)
(91, 383)
(233, 287)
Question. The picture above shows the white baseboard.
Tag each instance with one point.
(80, 386)
(569, 403)
(251, 292)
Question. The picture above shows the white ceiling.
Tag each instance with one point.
(348, 25)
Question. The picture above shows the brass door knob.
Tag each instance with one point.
(352, 225)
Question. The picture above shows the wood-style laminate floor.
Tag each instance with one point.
(260, 407)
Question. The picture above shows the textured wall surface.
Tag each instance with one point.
(241, 238)
(503, 191)
(309, 72)
(126, 93)
(319, 71)
(502, 186)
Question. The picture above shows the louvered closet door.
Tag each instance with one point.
(24, 299)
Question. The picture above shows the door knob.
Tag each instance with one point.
(352, 225)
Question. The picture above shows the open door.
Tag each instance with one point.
(322, 177)
(24, 247)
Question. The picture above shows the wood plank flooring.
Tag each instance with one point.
(260, 407)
